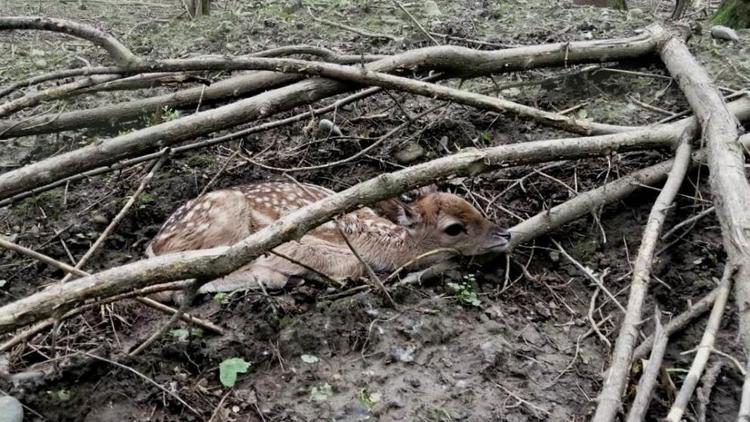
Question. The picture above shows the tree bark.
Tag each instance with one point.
(118, 52)
(458, 61)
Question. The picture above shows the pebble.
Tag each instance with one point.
(10, 409)
(328, 128)
(724, 33)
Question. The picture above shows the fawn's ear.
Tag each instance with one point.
(415, 194)
(398, 212)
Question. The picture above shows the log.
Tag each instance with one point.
(118, 52)
(458, 61)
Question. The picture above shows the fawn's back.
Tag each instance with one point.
(224, 217)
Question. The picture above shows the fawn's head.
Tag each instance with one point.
(444, 220)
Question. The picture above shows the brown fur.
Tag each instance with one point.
(224, 217)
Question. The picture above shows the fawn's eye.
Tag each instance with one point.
(454, 229)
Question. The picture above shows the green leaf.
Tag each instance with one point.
(229, 368)
(321, 393)
(180, 333)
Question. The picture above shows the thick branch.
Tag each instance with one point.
(34, 98)
(118, 52)
(231, 88)
(729, 185)
(616, 379)
(216, 262)
(458, 61)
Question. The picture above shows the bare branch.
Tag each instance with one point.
(616, 379)
(458, 61)
(704, 348)
(213, 263)
(118, 52)
(650, 373)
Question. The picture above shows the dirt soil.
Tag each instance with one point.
(483, 343)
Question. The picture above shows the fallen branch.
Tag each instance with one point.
(67, 268)
(118, 52)
(120, 215)
(678, 323)
(704, 348)
(57, 92)
(216, 262)
(367, 77)
(458, 61)
(231, 88)
(322, 52)
(729, 185)
(610, 398)
(37, 328)
(202, 144)
(650, 373)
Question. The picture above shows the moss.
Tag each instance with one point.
(201, 160)
(49, 201)
(584, 249)
(733, 13)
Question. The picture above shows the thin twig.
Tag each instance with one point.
(416, 22)
(616, 378)
(679, 322)
(120, 215)
(704, 349)
(351, 28)
(353, 157)
(590, 275)
(70, 269)
(650, 373)
(144, 377)
(190, 293)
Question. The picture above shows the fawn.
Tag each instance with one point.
(431, 221)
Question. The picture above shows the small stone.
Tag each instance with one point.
(431, 9)
(99, 219)
(10, 409)
(403, 353)
(409, 153)
(636, 13)
(588, 35)
(724, 33)
(327, 128)
(531, 335)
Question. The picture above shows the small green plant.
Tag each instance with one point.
(321, 392)
(368, 399)
(183, 334)
(164, 114)
(60, 395)
(229, 368)
(465, 290)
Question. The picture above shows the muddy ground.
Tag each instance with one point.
(504, 346)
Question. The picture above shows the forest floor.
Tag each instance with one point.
(486, 343)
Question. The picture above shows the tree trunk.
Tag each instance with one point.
(733, 13)
(199, 8)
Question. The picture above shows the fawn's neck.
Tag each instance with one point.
(382, 244)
